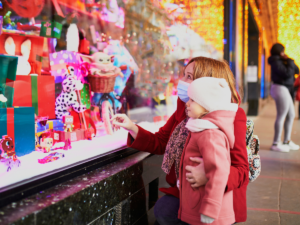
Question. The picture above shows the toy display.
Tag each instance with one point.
(51, 157)
(62, 78)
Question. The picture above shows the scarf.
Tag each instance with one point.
(175, 147)
(197, 125)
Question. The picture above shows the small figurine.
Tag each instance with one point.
(102, 64)
(8, 154)
(51, 157)
(46, 142)
(7, 21)
(68, 123)
(67, 144)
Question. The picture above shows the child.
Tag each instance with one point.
(211, 124)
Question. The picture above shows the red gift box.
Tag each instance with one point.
(37, 92)
(84, 47)
(36, 52)
(61, 136)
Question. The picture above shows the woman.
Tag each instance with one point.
(172, 137)
(297, 85)
(283, 70)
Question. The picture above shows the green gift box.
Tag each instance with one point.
(8, 70)
(85, 96)
(51, 29)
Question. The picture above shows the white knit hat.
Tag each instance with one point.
(211, 93)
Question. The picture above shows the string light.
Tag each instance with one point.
(256, 14)
(289, 27)
(206, 17)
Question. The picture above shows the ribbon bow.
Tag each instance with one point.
(47, 24)
(84, 68)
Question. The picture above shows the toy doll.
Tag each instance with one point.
(8, 154)
(102, 64)
(46, 142)
(68, 123)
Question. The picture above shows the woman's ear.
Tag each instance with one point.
(26, 48)
(10, 46)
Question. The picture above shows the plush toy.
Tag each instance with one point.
(68, 123)
(68, 97)
(46, 142)
(23, 67)
(8, 154)
(101, 64)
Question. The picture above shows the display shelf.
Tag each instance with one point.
(32, 177)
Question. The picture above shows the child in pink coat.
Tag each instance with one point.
(212, 135)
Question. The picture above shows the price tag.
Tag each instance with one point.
(56, 136)
(48, 31)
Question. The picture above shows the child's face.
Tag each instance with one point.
(195, 110)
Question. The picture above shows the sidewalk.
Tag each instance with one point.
(274, 198)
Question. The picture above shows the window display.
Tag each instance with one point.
(68, 66)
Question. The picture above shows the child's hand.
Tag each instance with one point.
(206, 219)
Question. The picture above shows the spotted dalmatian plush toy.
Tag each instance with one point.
(68, 97)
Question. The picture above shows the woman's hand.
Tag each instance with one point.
(195, 174)
(122, 120)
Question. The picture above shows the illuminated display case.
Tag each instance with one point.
(68, 66)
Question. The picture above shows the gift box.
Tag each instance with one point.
(57, 125)
(60, 60)
(84, 47)
(76, 135)
(85, 96)
(8, 69)
(51, 29)
(18, 123)
(36, 91)
(36, 52)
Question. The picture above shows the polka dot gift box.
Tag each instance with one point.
(59, 61)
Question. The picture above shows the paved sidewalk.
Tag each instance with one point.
(274, 198)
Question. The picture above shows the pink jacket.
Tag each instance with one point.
(213, 145)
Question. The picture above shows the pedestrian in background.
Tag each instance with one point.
(297, 85)
(283, 70)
